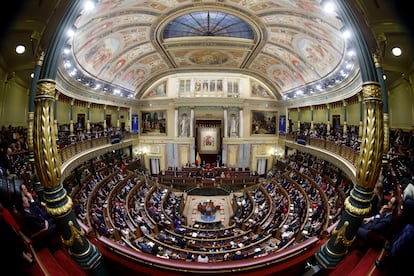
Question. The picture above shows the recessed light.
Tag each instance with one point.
(20, 49)
(396, 51)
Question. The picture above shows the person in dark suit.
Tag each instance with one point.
(378, 223)
(238, 256)
(398, 258)
(35, 221)
(6, 161)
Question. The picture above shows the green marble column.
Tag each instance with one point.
(358, 204)
(48, 169)
(47, 160)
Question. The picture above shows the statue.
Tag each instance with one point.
(233, 126)
(184, 126)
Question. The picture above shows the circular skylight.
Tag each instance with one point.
(208, 23)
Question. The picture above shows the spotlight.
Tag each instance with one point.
(396, 51)
(20, 49)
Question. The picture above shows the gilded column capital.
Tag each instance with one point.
(377, 59)
(371, 90)
(40, 59)
(46, 88)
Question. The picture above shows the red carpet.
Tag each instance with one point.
(57, 264)
(345, 267)
(48, 262)
(367, 264)
(70, 266)
(356, 264)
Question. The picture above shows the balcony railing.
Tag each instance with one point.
(342, 150)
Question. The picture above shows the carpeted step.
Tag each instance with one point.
(66, 261)
(345, 267)
(48, 264)
(366, 265)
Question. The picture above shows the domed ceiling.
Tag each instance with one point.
(292, 47)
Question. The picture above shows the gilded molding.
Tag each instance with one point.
(59, 211)
(45, 148)
(377, 60)
(341, 235)
(39, 61)
(371, 90)
(75, 235)
(386, 133)
(371, 151)
(355, 210)
(30, 119)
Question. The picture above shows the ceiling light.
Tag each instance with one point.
(32, 75)
(20, 49)
(396, 51)
(89, 5)
(328, 6)
(346, 34)
(384, 77)
(71, 33)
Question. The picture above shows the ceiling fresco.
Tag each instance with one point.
(288, 44)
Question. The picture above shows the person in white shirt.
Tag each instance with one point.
(202, 258)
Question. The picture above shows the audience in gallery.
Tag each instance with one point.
(157, 247)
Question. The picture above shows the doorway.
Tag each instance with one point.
(336, 121)
(80, 125)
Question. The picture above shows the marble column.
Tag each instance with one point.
(225, 123)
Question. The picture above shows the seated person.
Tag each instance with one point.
(189, 257)
(144, 230)
(398, 258)
(202, 258)
(35, 220)
(238, 255)
(144, 247)
(34, 201)
(379, 223)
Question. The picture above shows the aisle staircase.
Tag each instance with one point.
(357, 263)
(58, 263)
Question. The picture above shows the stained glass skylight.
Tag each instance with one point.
(208, 23)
